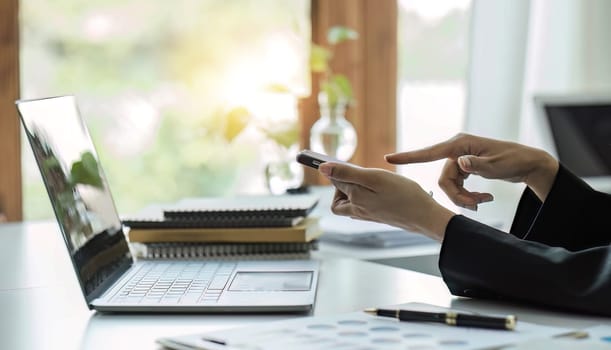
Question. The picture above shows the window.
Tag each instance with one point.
(176, 94)
(433, 57)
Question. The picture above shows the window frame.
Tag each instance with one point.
(10, 137)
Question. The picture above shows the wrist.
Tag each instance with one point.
(437, 222)
(541, 179)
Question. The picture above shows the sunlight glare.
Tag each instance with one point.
(248, 79)
(98, 26)
(433, 10)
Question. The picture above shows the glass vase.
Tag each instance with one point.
(283, 173)
(332, 134)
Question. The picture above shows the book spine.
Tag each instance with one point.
(226, 251)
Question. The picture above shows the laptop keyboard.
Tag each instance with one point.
(176, 283)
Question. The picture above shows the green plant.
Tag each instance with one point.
(233, 122)
(335, 86)
(284, 134)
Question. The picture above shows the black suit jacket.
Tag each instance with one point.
(557, 253)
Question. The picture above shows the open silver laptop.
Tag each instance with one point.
(110, 278)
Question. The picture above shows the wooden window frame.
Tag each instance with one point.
(369, 62)
(10, 143)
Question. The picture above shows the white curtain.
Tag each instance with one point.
(521, 48)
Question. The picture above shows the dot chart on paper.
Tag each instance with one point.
(365, 332)
(354, 334)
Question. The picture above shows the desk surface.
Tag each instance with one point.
(42, 307)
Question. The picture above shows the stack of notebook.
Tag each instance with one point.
(247, 226)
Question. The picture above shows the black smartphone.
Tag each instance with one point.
(314, 159)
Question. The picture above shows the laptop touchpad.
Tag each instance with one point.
(271, 281)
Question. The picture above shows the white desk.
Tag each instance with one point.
(42, 307)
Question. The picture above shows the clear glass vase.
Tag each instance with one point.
(283, 173)
(332, 134)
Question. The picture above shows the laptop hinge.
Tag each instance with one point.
(108, 282)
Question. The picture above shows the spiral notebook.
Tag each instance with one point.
(173, 250)
(239, 211)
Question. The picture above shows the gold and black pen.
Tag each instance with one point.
(450, 318)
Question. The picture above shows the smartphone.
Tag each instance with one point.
(314, 159)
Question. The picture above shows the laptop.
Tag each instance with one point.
(576, 128)
(110, 277)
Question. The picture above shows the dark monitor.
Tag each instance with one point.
(580, 132)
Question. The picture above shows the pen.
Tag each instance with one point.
(451, 318)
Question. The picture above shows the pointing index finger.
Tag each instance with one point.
(439, 151)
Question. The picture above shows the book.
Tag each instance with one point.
(176, 250)
(306, 231)
(217, 212)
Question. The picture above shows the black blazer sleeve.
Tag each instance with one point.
(557, 253)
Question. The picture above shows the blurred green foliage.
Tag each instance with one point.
(283, 134)
(171, 55)
(335, 86)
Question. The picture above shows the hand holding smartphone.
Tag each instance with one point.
(315, 159)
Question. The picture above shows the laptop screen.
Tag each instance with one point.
(77, 189)
(582, 136)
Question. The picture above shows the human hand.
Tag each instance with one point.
(491, 159)
(383, 196)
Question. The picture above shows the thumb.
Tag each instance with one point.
(473, 164)
(345, 173)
